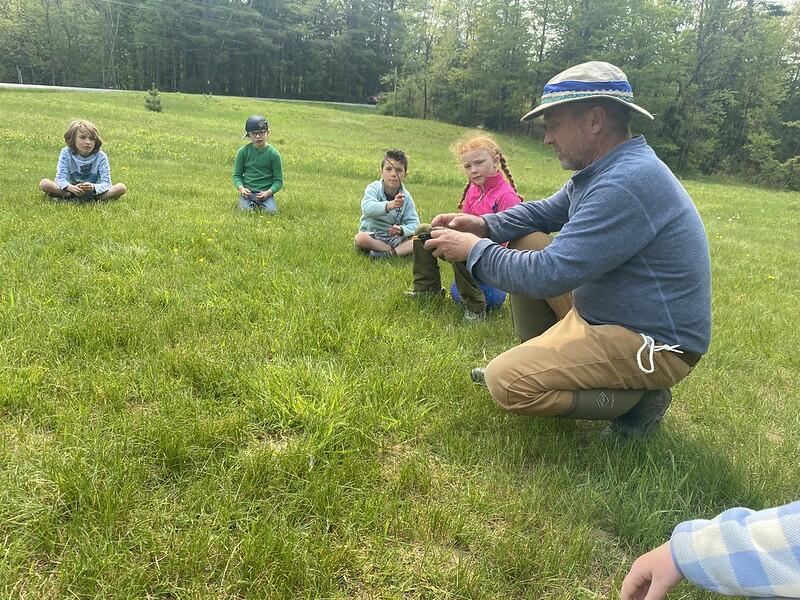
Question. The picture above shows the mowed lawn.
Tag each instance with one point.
(201, 403)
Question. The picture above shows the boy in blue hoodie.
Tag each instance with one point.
(388, 215)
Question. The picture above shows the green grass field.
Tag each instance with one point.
(201, 403)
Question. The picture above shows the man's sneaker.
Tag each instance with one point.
(478, 376)
(474, 317)
(379, 254)
(642, 419)
(424, 294)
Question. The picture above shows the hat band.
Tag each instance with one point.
(589, 86)
(563, 96)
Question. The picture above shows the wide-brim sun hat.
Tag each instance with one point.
(586, 81)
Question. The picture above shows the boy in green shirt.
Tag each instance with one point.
(258, 171)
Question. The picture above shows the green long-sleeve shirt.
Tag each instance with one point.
(258, 168)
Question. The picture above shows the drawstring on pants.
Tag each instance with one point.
(648, 341)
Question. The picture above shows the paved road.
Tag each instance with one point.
(31, 86)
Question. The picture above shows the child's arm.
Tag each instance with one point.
(277, 173)
(104, 172)
(742, 552)
(238, 171)
(373, 205)
(410, 219)
(62, 170)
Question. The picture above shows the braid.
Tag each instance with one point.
(504, 166)
(463, 196)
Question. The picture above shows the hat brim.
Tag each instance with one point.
(539, 110)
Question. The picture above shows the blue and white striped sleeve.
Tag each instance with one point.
(742, 552)
(103, 173)
(62, 170)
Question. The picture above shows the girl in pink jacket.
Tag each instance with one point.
(490, 189)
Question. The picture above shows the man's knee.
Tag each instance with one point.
(503, 380)
(532, 241)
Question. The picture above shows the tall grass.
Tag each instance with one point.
(201, 403)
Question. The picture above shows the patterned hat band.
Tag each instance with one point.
(576, 90)
(561, 96)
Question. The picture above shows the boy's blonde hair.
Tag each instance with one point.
(482, 142)
(88, 127)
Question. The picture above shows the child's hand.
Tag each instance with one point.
(651, 576)
(397, 202)
(244, 191)
(75, 190)
(395, 230)
(86, 186)
(263, 195)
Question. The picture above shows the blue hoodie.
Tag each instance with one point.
(374, 217)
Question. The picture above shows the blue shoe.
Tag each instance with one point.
(379, 254)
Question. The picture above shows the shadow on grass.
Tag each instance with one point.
(635, 491)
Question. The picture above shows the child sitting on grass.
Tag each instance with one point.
(83, 172)
(258, 170)
(388, 215)
(486, 192)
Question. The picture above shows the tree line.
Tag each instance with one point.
(722, 76)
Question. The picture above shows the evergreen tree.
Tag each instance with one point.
(153, 100)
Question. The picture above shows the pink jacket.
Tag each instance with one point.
(498, 195)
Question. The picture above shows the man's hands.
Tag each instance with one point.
(264, 195)
(651, 576)
(462, 222)
(396, 203)
(453, 246)
(454, 234)
(244, 191)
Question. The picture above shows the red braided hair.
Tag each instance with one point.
(482, 142)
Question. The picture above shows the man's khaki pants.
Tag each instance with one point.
(563, 353)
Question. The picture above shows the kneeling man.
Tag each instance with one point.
(615, 309)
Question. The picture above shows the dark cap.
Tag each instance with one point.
(255, 123)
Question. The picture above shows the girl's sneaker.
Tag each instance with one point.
(474, 317)
(424, 294)
(379, 254)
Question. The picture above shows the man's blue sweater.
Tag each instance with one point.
(631, 248)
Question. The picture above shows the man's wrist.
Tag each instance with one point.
(485, 231)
